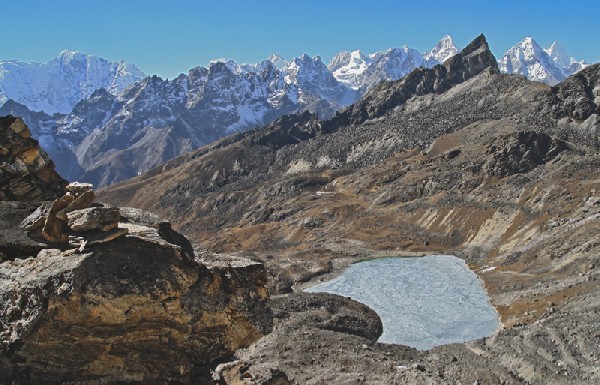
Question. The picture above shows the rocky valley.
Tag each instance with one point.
(458, 158)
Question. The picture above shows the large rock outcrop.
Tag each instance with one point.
(26, 171)
(132, 304)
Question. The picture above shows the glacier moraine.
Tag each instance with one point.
(423, 302)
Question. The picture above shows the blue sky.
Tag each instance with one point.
(171, 36)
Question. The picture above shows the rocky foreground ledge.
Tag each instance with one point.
(93, 294)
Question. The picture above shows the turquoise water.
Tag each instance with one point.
(422, 301)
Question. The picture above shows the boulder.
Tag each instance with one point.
(14, 241)
(137, 309)
(242, 373)
(94, 218)
(36, 219)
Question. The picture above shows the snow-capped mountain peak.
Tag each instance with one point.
(346, 66)
(529, 48)
(58, 85)
(528, 58)
(68, 55)
(278, 61)
(559, 54)
(360, 71)
(442, 51)
(311, 77)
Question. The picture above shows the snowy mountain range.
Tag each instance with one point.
(107, 138)
(551, 65)
(361, 72)
(59, 84)
(113, 133)
(104, 122)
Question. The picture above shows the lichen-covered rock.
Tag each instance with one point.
(94, 218)
(139, 308)
(26, 171)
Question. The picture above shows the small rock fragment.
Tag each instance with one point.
(94, 218)
(36, 219)
(82, 201)
(77, 188)
(54, 228)
(104, 237)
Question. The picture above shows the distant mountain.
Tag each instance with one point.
(347, 67)
(59, 84)
(108, 138)
(551, 65)
(118, 128)
(442, 51)
(361, 72)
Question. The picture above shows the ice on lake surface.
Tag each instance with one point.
(422, 301)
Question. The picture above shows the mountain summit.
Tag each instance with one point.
(361, 71)
(551, 65)
(442, 51)
(59, 84)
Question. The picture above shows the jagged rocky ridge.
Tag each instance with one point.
(457, 159)
(96, 294)
(109, 138)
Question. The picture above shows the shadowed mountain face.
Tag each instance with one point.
(457, 159)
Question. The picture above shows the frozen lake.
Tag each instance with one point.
(422, 301)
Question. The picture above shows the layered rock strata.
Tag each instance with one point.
(117, 296)
(26, 171)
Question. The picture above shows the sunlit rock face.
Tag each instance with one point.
(26, 171)
(135, 303)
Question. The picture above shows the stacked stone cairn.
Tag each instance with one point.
(74, 221)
